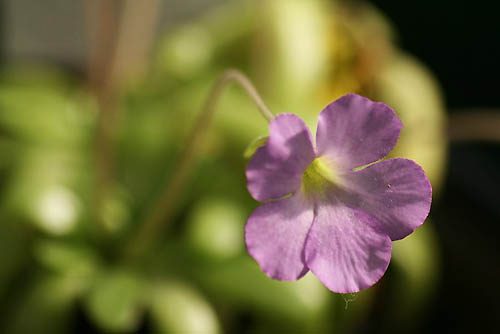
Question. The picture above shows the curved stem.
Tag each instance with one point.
(165, 206)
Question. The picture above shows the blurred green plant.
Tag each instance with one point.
(60, 272)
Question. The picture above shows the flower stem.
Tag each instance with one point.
(119, 45)
(101, 60)
(165, 206)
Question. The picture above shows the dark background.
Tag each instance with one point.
(460, 42)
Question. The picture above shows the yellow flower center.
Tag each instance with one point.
(319, 176)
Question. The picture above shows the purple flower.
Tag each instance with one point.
(321, 212)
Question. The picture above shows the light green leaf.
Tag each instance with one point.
(242, 284)
(408, 87)
(115, 301)
(177, 307)
(215, 228)
(67, 258)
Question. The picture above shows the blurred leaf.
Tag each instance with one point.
(56, 210)
(14, 252)
(115, 212)
(215, 228)
(418, 260)
(43, 115)
(39, 190)
(242, 284)
(189, 49)
(414, 94)
(67, 258)
(44, 307)
(36, 76)
(186, 51)
(178, 308)
(147, 139)
(147, 127)
(9, 152)
(296, 40)
(115, 302)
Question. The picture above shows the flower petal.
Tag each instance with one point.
(345, 250)
(354, 131)
(275, 235)
(276, 168)
(395, 191)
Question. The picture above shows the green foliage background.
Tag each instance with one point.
(61, 272)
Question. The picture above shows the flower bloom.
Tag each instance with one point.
(322, 212)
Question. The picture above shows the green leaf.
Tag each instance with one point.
(67, 258)
(14, 253)
(41, 190)
(214, 228)
(115, 301)
(44, 307)
(44, 116)
(408, 87)
(242, 284)
(177, 307)
(416, 264)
